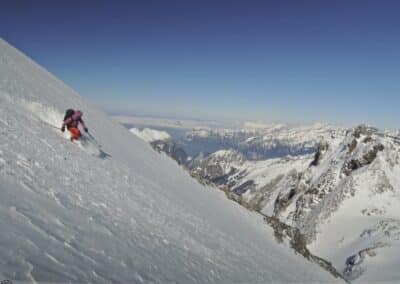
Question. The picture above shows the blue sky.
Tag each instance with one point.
(291, 61)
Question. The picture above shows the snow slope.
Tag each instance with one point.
(69, 216)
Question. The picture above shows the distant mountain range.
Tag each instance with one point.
(339, 187)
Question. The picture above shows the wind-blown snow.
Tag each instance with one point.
(68, 216)
(150, 135)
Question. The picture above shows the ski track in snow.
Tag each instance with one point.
(68, 216)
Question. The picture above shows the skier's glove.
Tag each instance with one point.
(63, 129)
(86, 130)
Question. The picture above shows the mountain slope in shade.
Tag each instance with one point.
(135, 217)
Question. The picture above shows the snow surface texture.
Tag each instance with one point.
(67, 215)
(150, 135)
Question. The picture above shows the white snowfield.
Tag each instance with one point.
(133, 217)
(150, 135)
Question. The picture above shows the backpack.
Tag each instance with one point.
(68, 113)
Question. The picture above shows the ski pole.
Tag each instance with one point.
(91, 136)
(94, 139)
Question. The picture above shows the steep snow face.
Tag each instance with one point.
(150, 135)
(135, 216)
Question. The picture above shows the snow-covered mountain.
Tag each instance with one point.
(344, 197)
(132, 216)
(251, 183)
(349, 199)
(150, 135)
(261, 141)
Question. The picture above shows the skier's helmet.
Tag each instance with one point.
(68, 113)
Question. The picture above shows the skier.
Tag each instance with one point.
(72, 119)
